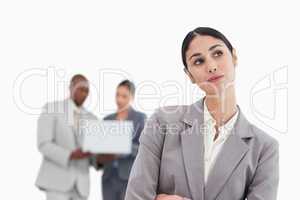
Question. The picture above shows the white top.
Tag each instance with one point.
(74, 112)
(211, 147)
(74, 120)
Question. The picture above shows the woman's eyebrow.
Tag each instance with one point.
(210, 49)
(195, 54)
(214, 46)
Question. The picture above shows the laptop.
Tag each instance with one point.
(107, 136)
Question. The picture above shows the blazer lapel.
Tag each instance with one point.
(193, 149)
(69, 121)
(131, 112)
(228, 159)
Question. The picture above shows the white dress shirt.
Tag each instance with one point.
(74, 120)
(211, 147)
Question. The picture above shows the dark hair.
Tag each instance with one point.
(130, 85)
(202, 31)
(78, 78)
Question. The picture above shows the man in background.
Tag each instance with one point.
(64, 173)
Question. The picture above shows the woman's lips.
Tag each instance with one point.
(215, 78)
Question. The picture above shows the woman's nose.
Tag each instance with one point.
(211, 65)
(212, 69)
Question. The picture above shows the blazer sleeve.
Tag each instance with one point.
(266, 179)
(140, 124)
(93, 159)
(46, 140)
(135, 143)
(144, 176)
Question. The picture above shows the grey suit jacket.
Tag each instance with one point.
(125, 162)
(56, 140)
(170, 160)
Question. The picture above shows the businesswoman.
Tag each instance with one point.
(117, 167)
(207, 150)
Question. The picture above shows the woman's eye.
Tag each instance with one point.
(218, 53)
(198, 61)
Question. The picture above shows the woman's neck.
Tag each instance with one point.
(122, 114)
(222, 106)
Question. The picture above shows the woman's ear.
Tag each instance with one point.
(189, 75)
(234, 57)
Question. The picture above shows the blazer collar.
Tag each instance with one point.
(69, 108)
(228, 159)
(195, 114)
(131, 112)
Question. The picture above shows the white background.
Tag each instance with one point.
(143, 40)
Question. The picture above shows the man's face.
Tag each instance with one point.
(79, 90)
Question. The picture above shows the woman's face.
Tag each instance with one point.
(210, 64)
(123, 97)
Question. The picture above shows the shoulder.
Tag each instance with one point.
(52, 103)
(263, 148)
(90, 115)
(54, 107)
(110, 116)
(164, 117)
(261, 143)
(254, 136)
(170, 114)
(155, 128)
(262, 140)
(139, 115)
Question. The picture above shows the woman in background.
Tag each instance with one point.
(117, 167)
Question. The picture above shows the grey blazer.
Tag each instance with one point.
(125, 162)
(170, 160)
(56, 141)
